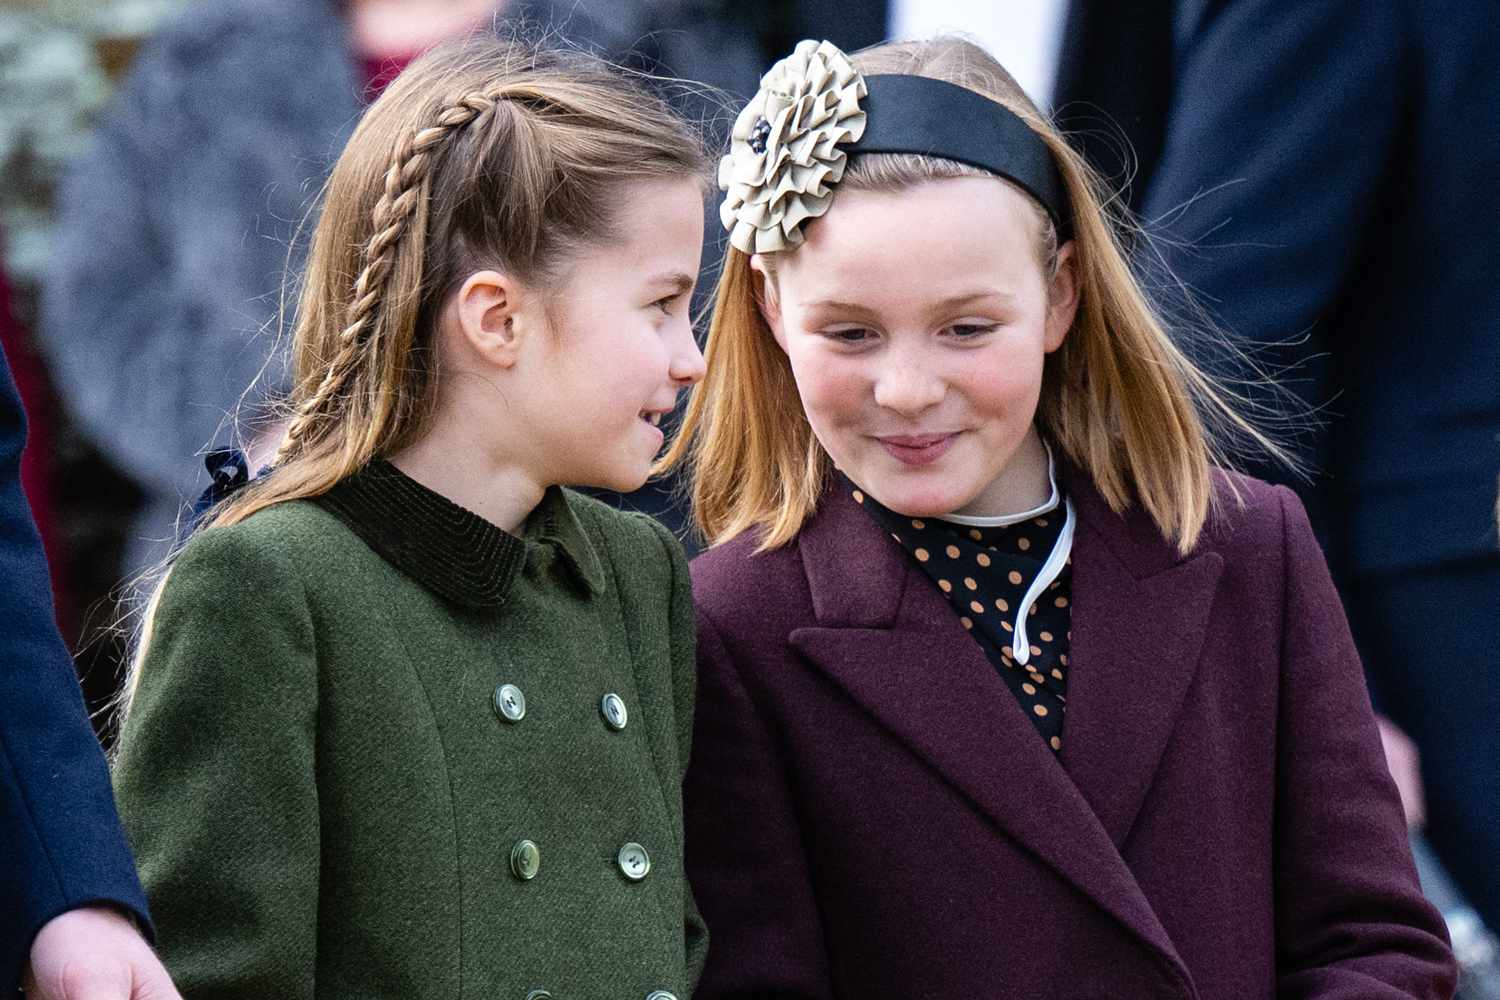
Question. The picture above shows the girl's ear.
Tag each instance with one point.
(1062, 298)
(493, 316)
(765, 298)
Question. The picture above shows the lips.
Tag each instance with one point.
(917, 449)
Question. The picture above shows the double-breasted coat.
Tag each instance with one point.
(871, 814)
(380, 748)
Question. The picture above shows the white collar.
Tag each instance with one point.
(1005, 520)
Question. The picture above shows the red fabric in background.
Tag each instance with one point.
(379, 71)
(36, 398)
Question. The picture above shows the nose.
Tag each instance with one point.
(907, 387)
(686, 366)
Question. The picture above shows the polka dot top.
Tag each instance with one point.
(985, 574)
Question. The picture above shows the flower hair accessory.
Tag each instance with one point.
(784, 152)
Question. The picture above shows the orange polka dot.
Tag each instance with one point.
(1039, 709)
(1036, 678)
(1057, 673)
(969, 582)
(977, 607)
(947, 587)
(1004, 625)
(1041, 522)
(859, 497)
(1023, 544)
(1028, 689)
(983, 559)
(1036, 651)
(1061, 602)
(1000, 603)
(952, 551)
(918, 524)
(922, 555)
(1046, 636)
(967, 622)
(1032, 611)
(1056, 743)
(1014, 577)
(976, 534)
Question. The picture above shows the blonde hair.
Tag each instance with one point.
(482, 153)
(1119, 398)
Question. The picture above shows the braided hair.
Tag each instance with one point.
(482, 154)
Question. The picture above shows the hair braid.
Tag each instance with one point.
(405, 181)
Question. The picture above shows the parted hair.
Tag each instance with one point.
(483, 153)
(1119, 398)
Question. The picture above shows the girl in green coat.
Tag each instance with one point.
(409, 719)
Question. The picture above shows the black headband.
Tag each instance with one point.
(917, 114)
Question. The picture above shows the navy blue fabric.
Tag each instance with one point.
(1427, 618)
(60, 841)
(1337, 160)
(1328, 167)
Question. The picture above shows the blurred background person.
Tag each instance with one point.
(175, 227)
(1366, 243)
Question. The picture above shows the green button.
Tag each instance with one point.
(612, 707)
(525, 860)
(510, 703)
(634, 862)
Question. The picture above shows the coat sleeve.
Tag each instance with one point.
(60, 840)
(745, 851)
(215, 773)
(1351, 921)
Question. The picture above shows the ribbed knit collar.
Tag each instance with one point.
(451, 551)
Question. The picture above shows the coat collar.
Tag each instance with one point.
(453, 552)
(886, 635)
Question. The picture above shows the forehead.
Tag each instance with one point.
(659, 227)
(938, 234)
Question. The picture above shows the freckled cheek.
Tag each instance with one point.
(1002, 388)
(833, 392)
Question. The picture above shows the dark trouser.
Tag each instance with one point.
(1430, 638)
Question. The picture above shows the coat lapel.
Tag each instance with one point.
(888, 638)
(1139, 617)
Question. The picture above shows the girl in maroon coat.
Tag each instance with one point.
(1006, 690)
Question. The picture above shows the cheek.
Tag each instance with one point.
(1008, 386)
(831, 388)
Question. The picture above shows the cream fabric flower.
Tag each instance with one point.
(783, 156)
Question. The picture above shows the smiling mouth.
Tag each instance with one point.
(917, 449)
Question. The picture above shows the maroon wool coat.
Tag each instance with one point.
(870, 813)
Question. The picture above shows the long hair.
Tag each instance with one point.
(481, 154)
(1119, 398)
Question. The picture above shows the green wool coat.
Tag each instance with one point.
(326, 798)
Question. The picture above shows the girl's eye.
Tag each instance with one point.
(851, 335)
(968, 331)
(667, 304)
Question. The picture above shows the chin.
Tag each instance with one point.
(622, 480)
(914, 499)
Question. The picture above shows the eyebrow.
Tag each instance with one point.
(951, 302)
(678, 280)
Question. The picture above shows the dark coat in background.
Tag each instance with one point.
(60, 841)
(870, 813)
(1326, 174)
